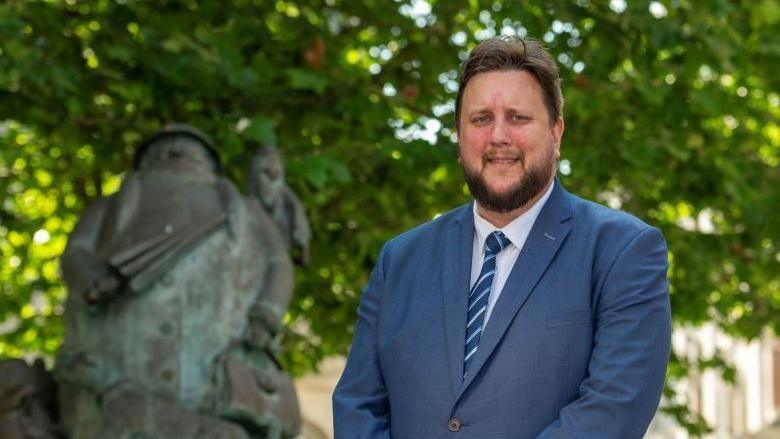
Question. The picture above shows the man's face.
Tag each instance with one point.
(508, 147)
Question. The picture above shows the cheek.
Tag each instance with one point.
(524, 137)
(473, 141)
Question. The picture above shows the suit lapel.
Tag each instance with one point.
(541, 246)
(456, 276)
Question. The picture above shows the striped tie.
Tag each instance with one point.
(478, 296)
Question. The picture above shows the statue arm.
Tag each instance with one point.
(268, 310)
(274, 293)
(83, 271)
(248, 220)
(301, 230)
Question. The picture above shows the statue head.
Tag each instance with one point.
(266, 175)
(178, 147)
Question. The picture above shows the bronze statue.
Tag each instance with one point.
(177, 288)
(266, 183)
(28, 406)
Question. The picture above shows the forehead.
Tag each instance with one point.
(513, 88)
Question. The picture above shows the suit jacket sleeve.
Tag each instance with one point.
(631, 348)
(360, 403)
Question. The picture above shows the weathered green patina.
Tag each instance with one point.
(177, 288)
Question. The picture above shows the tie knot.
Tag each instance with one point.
(496, 242)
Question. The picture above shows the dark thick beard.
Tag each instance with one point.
(534, 181)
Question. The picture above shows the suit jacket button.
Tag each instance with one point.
(454, 424)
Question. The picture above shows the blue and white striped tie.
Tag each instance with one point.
(479, 294)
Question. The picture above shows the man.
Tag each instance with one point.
(529, 313)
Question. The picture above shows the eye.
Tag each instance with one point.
(519, 118)
(480, 120)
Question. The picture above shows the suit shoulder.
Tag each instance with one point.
(606, 219)
(427, 231)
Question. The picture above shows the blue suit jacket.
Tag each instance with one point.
(576, 347)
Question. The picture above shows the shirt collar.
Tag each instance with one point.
(518, 230)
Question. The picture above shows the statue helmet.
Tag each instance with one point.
(173, 129)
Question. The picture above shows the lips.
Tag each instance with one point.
(502, 157)
(502, 160)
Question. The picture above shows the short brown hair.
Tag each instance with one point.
(514, 53)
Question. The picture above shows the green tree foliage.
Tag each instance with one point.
(672, 113)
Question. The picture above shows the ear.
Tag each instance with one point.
(557, 133)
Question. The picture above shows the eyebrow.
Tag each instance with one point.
(485, 109)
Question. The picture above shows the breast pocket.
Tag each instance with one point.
(580, 316)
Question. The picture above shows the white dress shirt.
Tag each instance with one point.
(517, 231)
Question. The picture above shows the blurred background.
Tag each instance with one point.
(672, 113)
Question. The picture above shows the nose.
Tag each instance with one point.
(499, 134)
